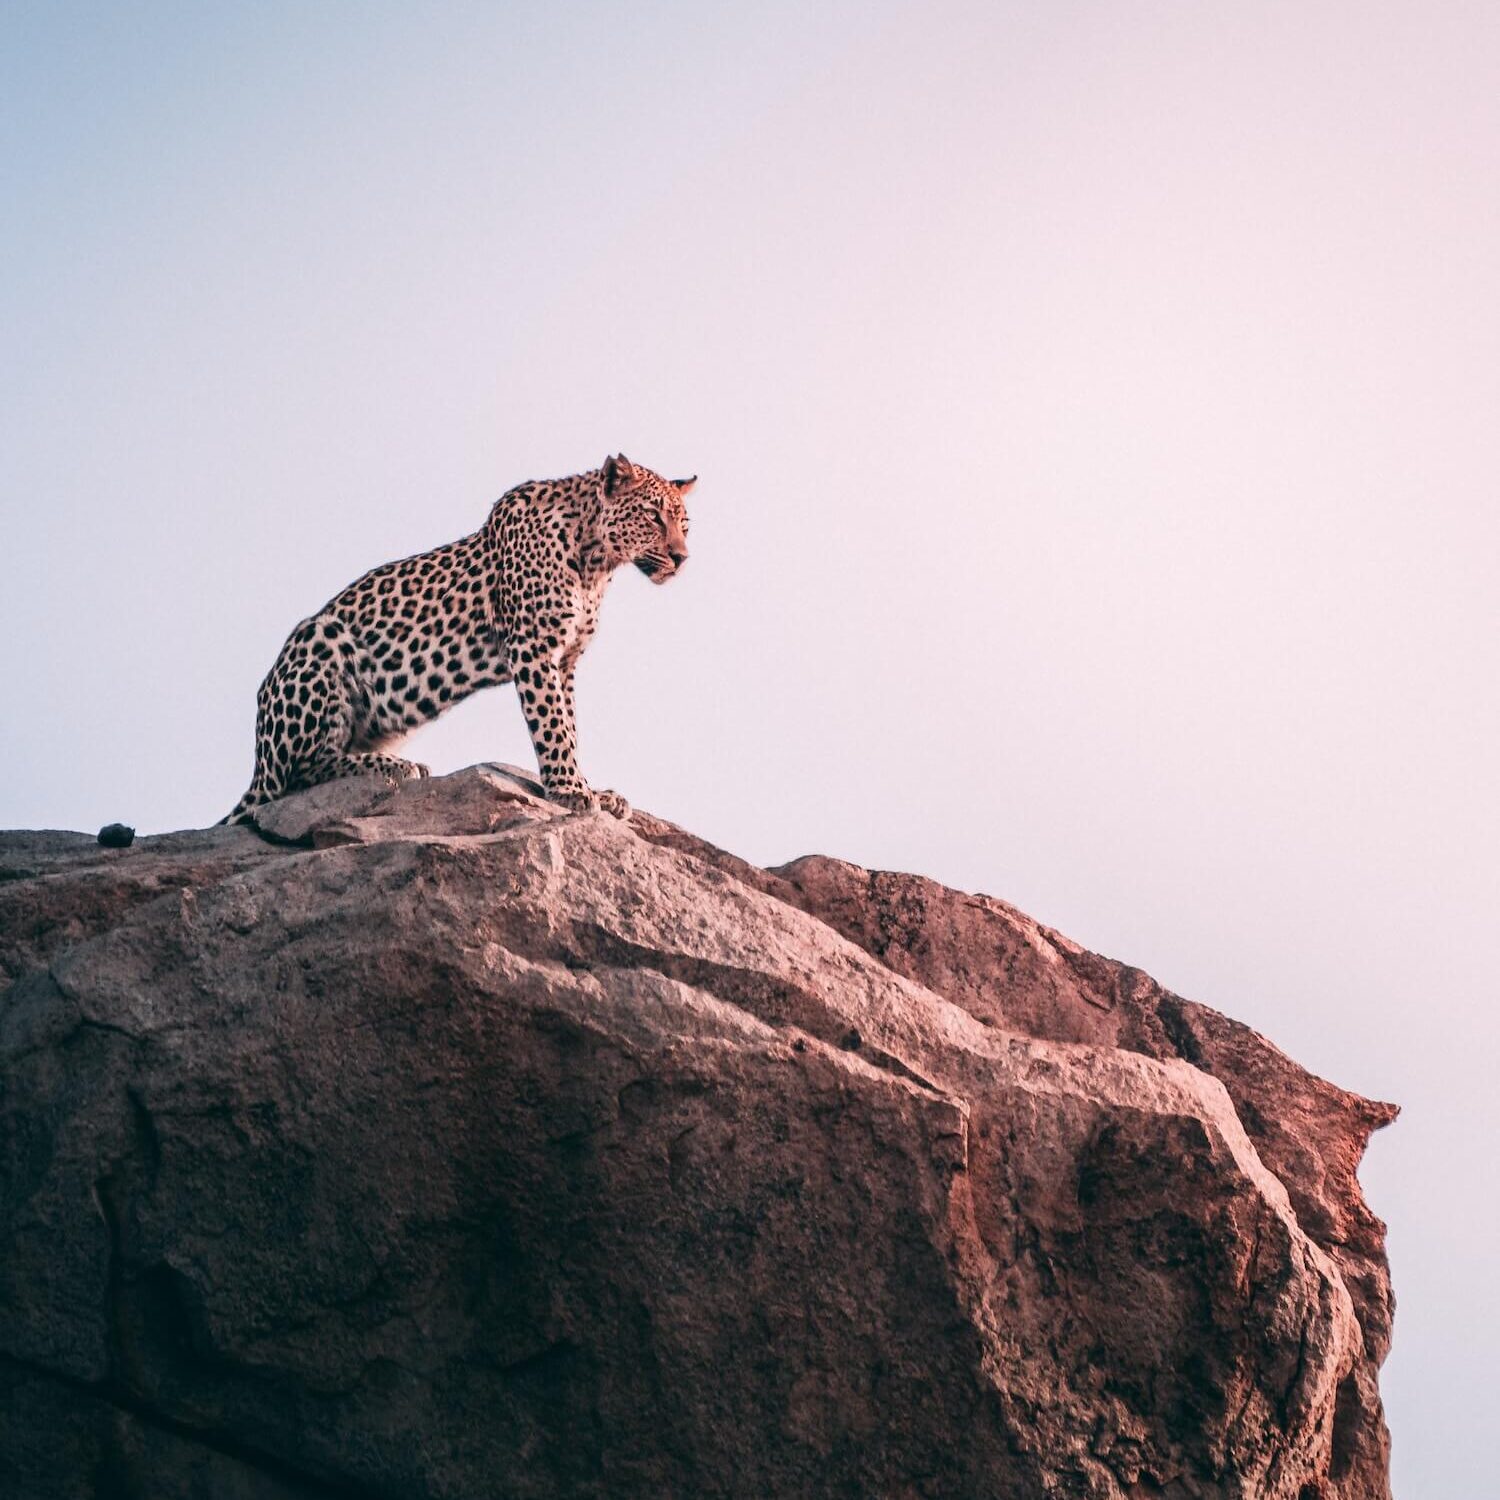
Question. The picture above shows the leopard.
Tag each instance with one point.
(515, 601)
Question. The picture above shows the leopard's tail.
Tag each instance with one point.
(257, 793)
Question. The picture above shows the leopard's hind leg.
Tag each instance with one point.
(343, 746)
(304, 719)
(365, 763)
(276, 732)
(355, 744)
(312, 721)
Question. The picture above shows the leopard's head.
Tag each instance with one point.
(645, 519)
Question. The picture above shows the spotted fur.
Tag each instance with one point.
(516, 601)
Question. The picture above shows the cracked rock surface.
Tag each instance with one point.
(432, 1141)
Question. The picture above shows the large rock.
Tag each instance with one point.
(434, 1142)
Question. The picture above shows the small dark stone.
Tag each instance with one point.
(851, 1040)
(116, 836)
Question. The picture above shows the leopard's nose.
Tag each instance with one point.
(678, 555)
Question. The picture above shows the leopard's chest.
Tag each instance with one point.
(585, 620)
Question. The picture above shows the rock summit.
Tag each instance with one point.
(433, 1142)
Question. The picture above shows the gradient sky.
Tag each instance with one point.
(1095, 409)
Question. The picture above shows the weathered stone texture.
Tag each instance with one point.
(431, 1142)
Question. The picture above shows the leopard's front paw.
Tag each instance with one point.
(614, 804)
(575, 799)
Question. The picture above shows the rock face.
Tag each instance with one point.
(434, 1142)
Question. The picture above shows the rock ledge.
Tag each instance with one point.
(431, 1141)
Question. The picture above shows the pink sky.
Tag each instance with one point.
(1095, 413)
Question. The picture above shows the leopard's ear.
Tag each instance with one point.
(620, 474)
(685, 485)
